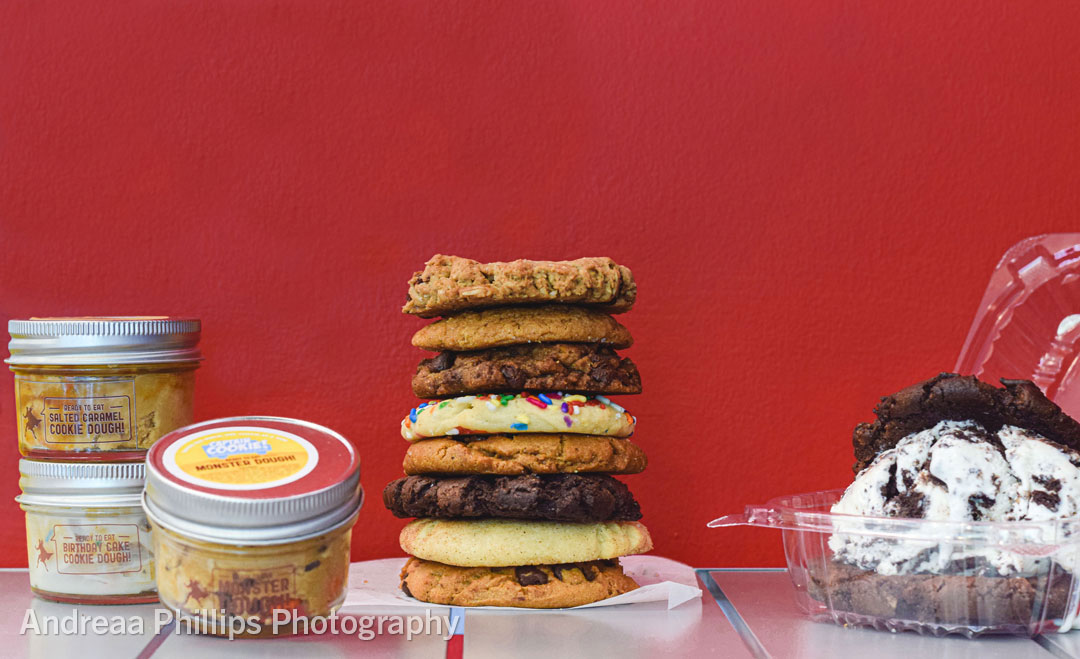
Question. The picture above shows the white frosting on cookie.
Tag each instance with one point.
(522, 413)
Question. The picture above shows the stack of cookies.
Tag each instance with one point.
(509, 470)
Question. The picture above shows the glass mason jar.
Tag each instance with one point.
(101, 388)
(252, 521)
(87, 538)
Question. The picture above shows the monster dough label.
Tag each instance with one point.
(92, 549)
(77, 412)
(241, 458)
(255, 592)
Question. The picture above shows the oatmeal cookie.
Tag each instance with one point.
(451, 283)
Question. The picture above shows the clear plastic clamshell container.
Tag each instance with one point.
(954, 584)
(966, 578)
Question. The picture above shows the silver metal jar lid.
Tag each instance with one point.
(256, 507)
(93, 340)
(81, 484)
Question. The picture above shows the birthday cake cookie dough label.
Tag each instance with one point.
(241, 458)
(98, 549)
(76, 412)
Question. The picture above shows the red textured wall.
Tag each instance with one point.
(812, 196)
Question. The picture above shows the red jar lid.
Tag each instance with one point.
(252, 480)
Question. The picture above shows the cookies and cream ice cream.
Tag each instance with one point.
(958, 471)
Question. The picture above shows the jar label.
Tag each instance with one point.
(241, 458)
(255, 592)
(88, 549)
(76, 413)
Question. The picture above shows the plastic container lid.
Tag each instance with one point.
(81, 484)
(252, 480)
(94, 340)
(1027, 326)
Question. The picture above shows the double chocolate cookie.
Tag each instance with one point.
(951, 397)
(569, 367)
(556, 497)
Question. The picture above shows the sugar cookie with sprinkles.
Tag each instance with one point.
(517, 413)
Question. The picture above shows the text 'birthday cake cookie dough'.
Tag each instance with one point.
(510, 458)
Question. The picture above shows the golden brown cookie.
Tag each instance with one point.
(451, 283)
(533, 586)
(507, 542)
(507, 326)
(526, 454)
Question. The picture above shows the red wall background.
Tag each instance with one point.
(812, 196)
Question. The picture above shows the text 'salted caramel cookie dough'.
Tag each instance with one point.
(509, 474)
(451, 283)
(101, 388)
(69, 414)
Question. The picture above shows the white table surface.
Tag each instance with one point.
(743, 613)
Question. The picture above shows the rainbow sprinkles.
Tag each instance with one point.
(518, 413)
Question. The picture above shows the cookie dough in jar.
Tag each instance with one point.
(87, 538)
(101, 388)
(252, 520)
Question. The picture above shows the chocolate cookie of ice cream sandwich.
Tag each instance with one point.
(951, 397)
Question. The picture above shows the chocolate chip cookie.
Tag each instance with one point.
(525, 454)
(506, 326)
(530, 586)
(451, 283)
(556, 497)
(568, 367)
(951, 397)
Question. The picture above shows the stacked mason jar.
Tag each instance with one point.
(92, 394)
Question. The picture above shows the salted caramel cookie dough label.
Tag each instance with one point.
(75, 412)
(241, 458)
